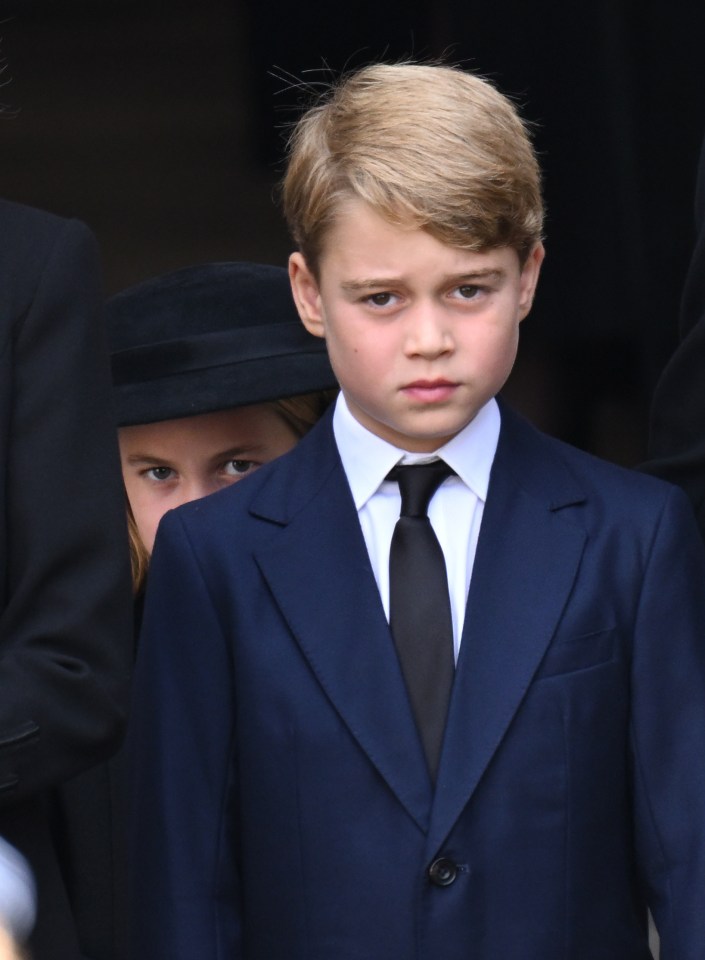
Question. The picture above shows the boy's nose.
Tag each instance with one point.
(428, 334)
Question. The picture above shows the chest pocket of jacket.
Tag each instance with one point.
(567, 655)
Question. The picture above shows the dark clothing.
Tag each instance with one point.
(64, 576)
(677, 436)
(89, 826)
(283, 805)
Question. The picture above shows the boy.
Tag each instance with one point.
(295, 799)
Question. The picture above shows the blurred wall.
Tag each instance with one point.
(134, 116)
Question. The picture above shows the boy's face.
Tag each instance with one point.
(420, 334)
(172, 462)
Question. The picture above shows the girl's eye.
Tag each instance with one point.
(160, 473)
(238, 468)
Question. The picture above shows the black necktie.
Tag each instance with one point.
(419, 605)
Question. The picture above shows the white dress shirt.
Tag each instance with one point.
(455, 510)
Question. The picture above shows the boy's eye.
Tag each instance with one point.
(238, 468)
(382, 299)
(468, 291)
(160, 473)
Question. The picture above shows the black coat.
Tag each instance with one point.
(677, 436)
(64, 582)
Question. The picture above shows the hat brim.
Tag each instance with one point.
(207, 338)
(193, 392)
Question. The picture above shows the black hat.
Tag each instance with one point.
(208, 338)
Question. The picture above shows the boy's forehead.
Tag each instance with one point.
(364, 245)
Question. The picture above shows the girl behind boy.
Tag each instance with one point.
(213, 376)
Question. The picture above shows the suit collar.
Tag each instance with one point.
(525, 453)
(367, 459)
(320, 576)
(527, 560)
(298, 477)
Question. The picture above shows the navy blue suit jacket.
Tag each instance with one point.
(283, 810)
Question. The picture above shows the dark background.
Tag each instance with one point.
(161, 125)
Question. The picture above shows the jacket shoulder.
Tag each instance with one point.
(28, 235)
(548, 465)
(19, 221)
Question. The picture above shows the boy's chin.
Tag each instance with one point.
(424, 440)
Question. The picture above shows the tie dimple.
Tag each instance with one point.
(417, 484)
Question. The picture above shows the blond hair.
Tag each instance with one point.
(139, 555)
(303, 411)
(300, 413)
(428, 146)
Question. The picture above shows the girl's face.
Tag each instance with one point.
(169, 463)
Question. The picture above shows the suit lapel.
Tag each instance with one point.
(320, 576)
(527, 559)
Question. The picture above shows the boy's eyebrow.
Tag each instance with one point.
(468, 276)
(137, 458)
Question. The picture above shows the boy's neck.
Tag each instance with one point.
(367, 458)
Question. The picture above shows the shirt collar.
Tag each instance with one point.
(367, 459)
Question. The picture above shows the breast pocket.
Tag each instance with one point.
(569, 654)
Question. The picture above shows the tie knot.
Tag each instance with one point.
(417, 484)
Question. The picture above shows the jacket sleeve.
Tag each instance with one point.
(184, 881)
(65, 632)
(668, 731)
(677, 428)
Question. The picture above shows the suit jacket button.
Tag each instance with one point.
(442, 872)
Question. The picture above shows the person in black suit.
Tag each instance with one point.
(677, 434)
(64, 573)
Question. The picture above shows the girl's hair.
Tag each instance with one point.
(299, 413)
(139, 558)
(304, 411)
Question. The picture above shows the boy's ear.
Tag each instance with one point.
(307, 297)
(530, 278)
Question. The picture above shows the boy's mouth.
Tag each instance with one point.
(430, 391)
